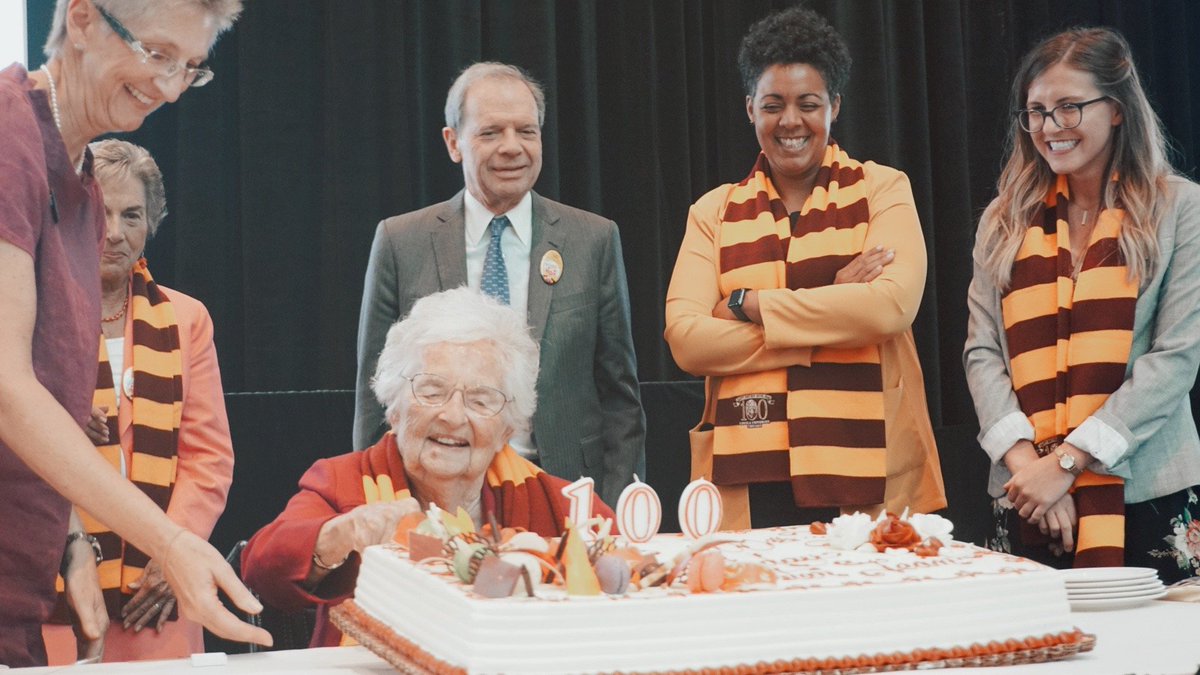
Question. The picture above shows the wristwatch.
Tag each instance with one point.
(736, 299)
(76, 536)
(1067, 462)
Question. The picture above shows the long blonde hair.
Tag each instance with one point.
(1139, 156)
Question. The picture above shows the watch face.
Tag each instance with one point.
(1067, 462)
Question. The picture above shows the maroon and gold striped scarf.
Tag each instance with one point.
(819, 427)
(156, 406)
(520, 494)
(1069, 342)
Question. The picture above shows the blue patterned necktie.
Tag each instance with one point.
(495, 275)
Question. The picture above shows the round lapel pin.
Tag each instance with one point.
(551, 267)
(127, 383)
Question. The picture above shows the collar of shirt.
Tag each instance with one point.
(479, 218)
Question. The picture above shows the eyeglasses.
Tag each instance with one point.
(163, 66)
(1066, 116)
(434, 390)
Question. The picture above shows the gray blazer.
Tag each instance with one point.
(1151, 410)
(589, 419)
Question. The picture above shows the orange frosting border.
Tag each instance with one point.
(408, 657)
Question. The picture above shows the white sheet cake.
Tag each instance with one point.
(827, 607)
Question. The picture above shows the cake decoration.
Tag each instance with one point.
(581, 578)
(700, 509)
(497, 578)
(639, 512)
(923, 534)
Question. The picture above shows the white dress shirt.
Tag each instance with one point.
(515, 244)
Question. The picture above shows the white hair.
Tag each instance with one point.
(460, 316)
(456, 98)
(222, 13)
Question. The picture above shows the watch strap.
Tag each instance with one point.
(73, 537)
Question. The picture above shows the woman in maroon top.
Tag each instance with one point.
(110, 65)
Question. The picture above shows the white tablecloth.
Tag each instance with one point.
(1161, 638)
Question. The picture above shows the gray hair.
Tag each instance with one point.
(457, 97)
(117, 159)
(460, 316)
(222, 13)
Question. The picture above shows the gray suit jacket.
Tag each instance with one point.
(589, 419)
(1151, 410)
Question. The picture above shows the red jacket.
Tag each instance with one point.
(278, 558)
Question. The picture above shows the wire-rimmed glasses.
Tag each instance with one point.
(163, 65)
(433, 390)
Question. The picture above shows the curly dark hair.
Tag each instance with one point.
(794, 35)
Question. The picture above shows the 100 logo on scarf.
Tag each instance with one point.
(756, 409)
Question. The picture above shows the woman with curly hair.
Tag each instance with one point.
(794, 294)
(1085, 319)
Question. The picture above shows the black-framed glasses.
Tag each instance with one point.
(163, 65)
(1066, 115)
(434, 390)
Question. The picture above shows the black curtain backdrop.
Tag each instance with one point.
(326, 117)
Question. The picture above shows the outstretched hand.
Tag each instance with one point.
(363, 526)
(195, 572)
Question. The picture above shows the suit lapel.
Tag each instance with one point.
(548, 235)
(450, 244)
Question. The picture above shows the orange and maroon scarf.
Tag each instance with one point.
(520, 494)
(1069, 342)
(154, 361)
(820, 427)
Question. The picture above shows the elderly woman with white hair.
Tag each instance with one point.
(457, 378)
(111, 63)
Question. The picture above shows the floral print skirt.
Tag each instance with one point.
(1163, 533)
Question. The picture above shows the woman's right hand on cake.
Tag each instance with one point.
(355, 530)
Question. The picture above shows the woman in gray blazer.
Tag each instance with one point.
(1084, 321)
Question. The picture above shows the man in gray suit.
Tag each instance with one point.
(560, 266)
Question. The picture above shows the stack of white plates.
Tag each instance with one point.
(1097, 588)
